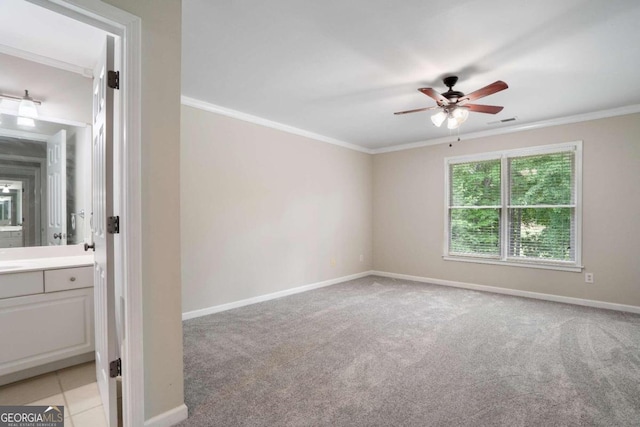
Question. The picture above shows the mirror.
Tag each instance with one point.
(45, 183)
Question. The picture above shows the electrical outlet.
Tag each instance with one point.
(333, 262)
(588, 277)
(361, 257)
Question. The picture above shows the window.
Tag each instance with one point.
(518, 207)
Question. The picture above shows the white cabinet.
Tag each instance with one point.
(52, 324)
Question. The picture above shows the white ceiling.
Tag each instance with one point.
(341, 68)
(29, 28)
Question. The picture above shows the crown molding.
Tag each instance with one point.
(620, 111)
(45, 60)
(213, 108)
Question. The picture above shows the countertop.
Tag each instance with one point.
(36, 264)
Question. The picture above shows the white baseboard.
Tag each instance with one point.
(514, 292)
(169, 418)
(261, 298)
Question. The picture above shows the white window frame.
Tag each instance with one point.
(504, 156)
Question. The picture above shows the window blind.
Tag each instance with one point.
(475, 208)
(541, 206)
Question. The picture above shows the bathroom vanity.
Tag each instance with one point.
(11, 236)
(46, 315)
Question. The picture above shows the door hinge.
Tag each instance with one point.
(113, 79)
(115, 368)
(113, 225)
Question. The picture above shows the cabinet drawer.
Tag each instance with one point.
(19, 284)
(68, 278)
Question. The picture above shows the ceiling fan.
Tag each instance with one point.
(455, 106)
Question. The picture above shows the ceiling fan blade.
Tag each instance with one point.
(485, 91)
(441, 100)
(489, 109)
(416, 110)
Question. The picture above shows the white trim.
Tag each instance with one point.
(621, 111)
(168, 418)
(129, 27)
(514, 292)
(516, 152)
(515, 263)
(131, 188)
(45, 60)
(212, 108)
(578, 201)
(261, 298)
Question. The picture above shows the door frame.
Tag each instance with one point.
(127, 188)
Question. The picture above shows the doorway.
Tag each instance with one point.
(125, 29)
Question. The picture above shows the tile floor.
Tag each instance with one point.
(75, 388)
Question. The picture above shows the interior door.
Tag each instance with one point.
(102, 206)
(57, 189)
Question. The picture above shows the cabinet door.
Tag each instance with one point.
(45, 328)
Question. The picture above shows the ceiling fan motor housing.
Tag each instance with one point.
(451, 95)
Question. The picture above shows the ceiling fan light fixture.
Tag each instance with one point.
(457, 117)
(27, 107)
(454, 106)
(439, 118)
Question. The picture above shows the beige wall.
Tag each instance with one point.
(161, 50)
(408, 218)
(264, 210)
(64, 95)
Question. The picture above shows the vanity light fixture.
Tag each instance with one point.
(27, 107)
(27, 110)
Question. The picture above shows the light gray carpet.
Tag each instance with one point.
(385, 352)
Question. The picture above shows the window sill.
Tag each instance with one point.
(539, 265)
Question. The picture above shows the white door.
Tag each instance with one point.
(57, 189)
(102, 206)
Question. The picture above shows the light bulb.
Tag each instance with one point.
(5, 189)
(461, 114)
(452, 122)
(439, 118)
